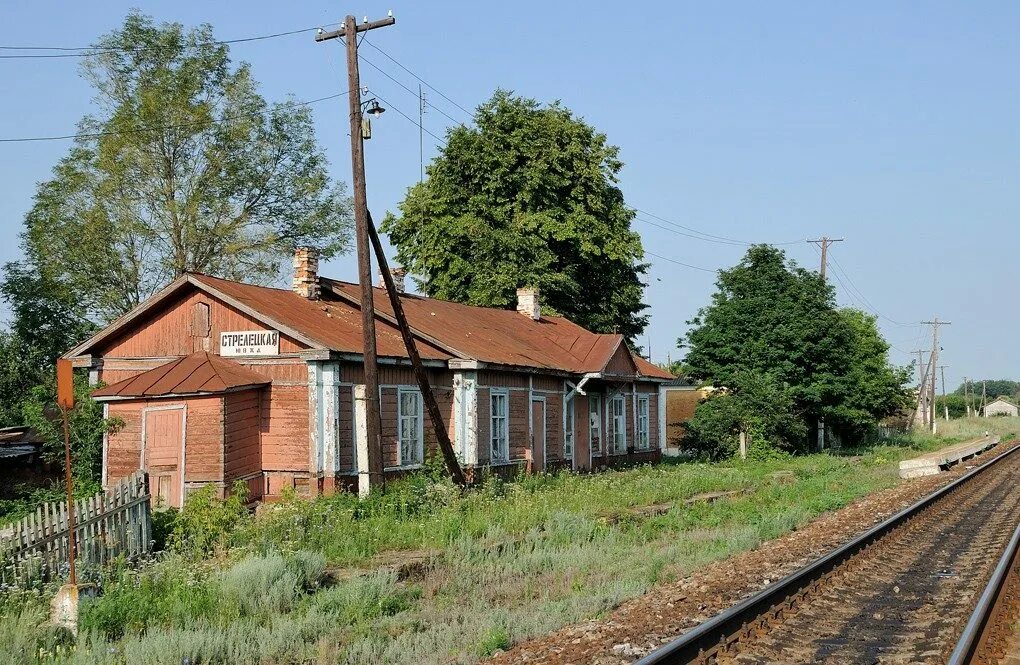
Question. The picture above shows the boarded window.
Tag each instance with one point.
(499, 426)
(409, 423)
(200, 320)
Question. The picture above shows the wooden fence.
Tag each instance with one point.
(108, 525)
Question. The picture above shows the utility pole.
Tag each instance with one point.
(945, 405)
(934, 361)
(921, 414)
(984, 396)
(824, 243)
(421, 134)
(373, 425)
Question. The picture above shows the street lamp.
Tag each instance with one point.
(372, 108)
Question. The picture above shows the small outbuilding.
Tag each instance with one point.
(1001, 406)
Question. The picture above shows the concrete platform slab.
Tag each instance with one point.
(938, 461)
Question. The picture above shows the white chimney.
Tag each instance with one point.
(306, 272)
(398, 274)
(529, 304)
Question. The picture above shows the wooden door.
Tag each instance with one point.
(538, 433)
(164, 452)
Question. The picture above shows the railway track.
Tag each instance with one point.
(906, 591)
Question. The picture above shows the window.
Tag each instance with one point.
(617, 425)
(409, 426)
(499, 425)
(568, 428)
(595, 423)
(642, 423)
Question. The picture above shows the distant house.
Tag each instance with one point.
(219, 381)
(1001, 406)
(21, 462)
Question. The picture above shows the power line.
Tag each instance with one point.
(840, 268)
(409, 90)
(681, 263)
(420, 79)
(687, 235)
(142, 130)
(86, 51)
(709, 235)
(409, 118)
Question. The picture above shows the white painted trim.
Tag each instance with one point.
(596, 398)
(645, 399)
(611, 414)
(545, 432)
(421, 428)
(568, 405)
(503, 392)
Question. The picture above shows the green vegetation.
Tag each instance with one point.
(425, 574)
(785, 358)
(528, 196)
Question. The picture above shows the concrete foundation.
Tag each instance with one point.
(934, 463)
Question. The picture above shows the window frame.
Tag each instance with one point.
(619, 424)
(596, 433)
(419, 418)
(643, 428)
(568, 428)
(504, 395)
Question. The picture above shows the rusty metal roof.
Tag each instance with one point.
(444, 330)
(199, 373)
(332, 324)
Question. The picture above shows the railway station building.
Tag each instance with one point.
(216, 381)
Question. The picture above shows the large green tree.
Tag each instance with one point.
(183, 167)
(526, 197)
(774, 341)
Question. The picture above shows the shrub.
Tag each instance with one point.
(207, 520)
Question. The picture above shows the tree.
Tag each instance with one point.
(185, 167)
(992, 387)
(773, 339)
(527, 197)
(871, 388)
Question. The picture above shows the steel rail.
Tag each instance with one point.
(970, 641)
(720, 630)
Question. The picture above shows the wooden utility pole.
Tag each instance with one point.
(435, 415)
(923, 398)
(945, 405)
(984, 396)
(824, 243)
(65, 400)
(934, 360)
(373, 423)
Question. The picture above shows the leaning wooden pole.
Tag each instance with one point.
(442, 434)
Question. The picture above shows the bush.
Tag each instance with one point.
(208, 521)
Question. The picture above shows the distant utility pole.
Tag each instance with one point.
(824, 243)
(421, 134)
(373, 425)
(921, 414)
(933, 361)
(984, 396)
(945, 405)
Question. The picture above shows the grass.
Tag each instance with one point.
(301, 583)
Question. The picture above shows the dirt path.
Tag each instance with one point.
(643, 623)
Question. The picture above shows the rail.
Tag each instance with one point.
(975, 632)
(725, 628)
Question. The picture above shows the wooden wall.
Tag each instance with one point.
(242, 425)
(170, 331)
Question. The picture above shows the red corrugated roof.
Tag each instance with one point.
(201, 372)
(444, 330)
(334, 325)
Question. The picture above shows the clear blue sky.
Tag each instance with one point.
(894, 125)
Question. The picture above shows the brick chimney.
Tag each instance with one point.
(398, 274)
(306, 272)
(529, 304)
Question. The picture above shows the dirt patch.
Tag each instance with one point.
(406, 564)
(644, 623)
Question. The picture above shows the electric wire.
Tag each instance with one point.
(87, 51)
(143, 130)
(420, 79)
(722, 239)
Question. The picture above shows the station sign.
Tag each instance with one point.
(250, 343)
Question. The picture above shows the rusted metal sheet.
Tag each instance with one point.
(198, 373)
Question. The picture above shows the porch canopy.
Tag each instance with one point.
(201, 373)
